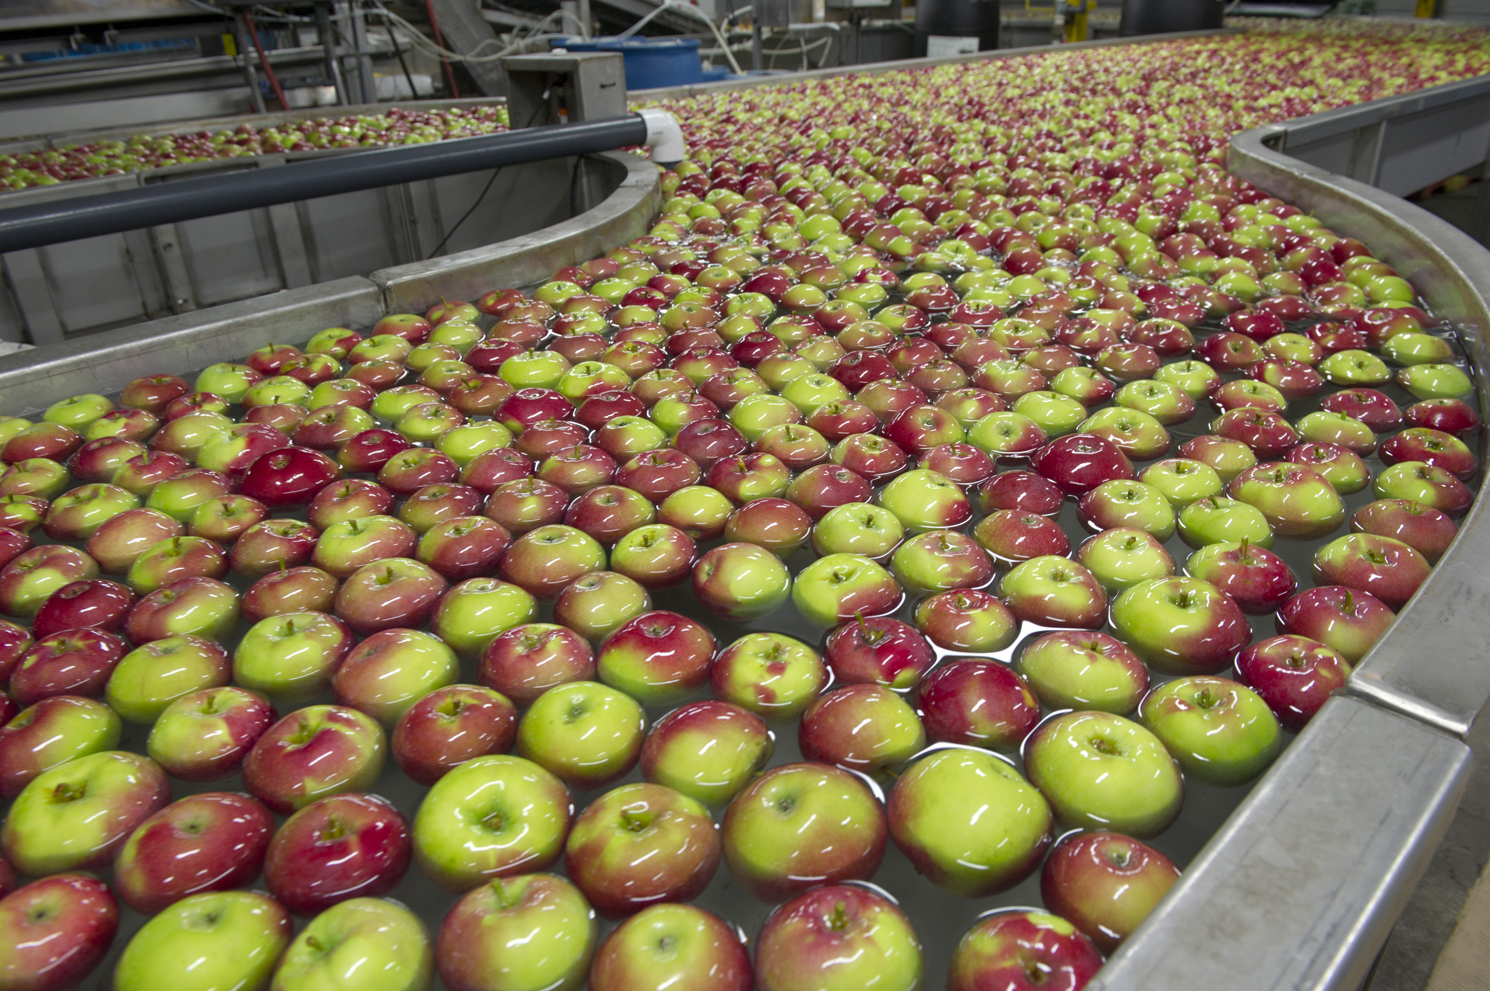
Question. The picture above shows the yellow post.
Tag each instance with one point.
(1077, 27)
(1425, 8)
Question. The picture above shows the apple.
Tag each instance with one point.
(217, 939)
(226, 518)
(597, 604)
(336, 848)
(55, 932)
(1021, 950)
(117, 543)
(923, 500)
(879, 650)
(361, 936)
(1348, 620)
(451, 725)
(32, 576)
(527, 660)
(1054, 591)
(977, 703)
(1294, 675)
(1104, 771)
(491, 817)
(1015, 536)
(707, 750)
(666, 946)
(77, 815)
(770, 674)
(77, 662)
(202, 607)
(272, 545)
(151, 677)
(1220, 731)
(657, 657)
(1256, 578)
(311, 753)
(584, 732)
(740, 581)
(801, 825)
(545, 915)
(174, 559)
(838, 937)
(859, 528)
(206, 734)
(1181, 625)
(1105, 884)
(837, 587)
(292, 656)
(390, 593)
(546, 560)
(211, 841)
(50, 733)
(865, 728)
(1386, 567)
(344, 501)
(291, 590)
(391, 670)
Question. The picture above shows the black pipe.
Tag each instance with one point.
(187, 199)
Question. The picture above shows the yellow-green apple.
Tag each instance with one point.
(1294, 675)
(77, 513)
(336, 848)
(977, 703)
(860, 528)
(1386, 567)
(530, 933)
(707, 750)
(838, 937)
(939, 561)
(492, 816)
(1344, 619)
(939, 816)
(1084, 670)
(206, 734)
(640, 844)
(313, 752)
(528, 660)
(1259, 580)
(1181, 625)
(449, 726)
(1432, 486)
(211, 841)
(1298, 502)
(838, 587)
(1054, 591)
(1220, 731)
(343, 547)
(217, 939)
(867, 728)
(1121, 557)
(1105, 884)
(922, 500)
(1020, 950)
(739, 581)
(77, 815)
(1229, 458)
(879, 651)
(666, 946)
(801, 825)
(364, 944)
(660, 657)
(50, 733)
(55, 931)
(202, 607)
(597, 604)
(1182, 480)
(32, 576)
(1103, 771)
(966, 620)
(292, 656)
(391, 670)
(1218, 519)
(149, 678)
(587, 733)
(771, 674)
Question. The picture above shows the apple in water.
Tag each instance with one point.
(1345, 619)
(1181, 625)
(76, 816)
(771, 674)
(292, 656)
(1256, 578)
(838, 587)
(707, 750)
(528, 660)
(879, 651)
(598, 604)
(866, 728)
(491, 817)
(545, 915)
(392, 593)
(206, 734)
(217, 939)
(587, 733)
(969, 822)
(150, 678)
(391, 670)
(966, 621)
(801, 825)
(1105, 884)
(1020, 950)
(291, 590)
(1220, 731)
(361, 936)
(77, 662)
(201, 607)
(94, 604)
(1386, 567)
(740, 581)
(639, 844)
(449, 726)
(660, 657)
(55, 931)
(835, 938)
(1422, 528)
(1084, 670)
(1294, 675)
(32, 576)
(313, 752)
(977, 703)
(667, 946)
(1104, 771)
(51, 733)
(1054, 591)
(211, 841)
(336, 848)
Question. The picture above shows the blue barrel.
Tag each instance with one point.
(650, 62)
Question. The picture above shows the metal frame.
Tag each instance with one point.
(1301, 885)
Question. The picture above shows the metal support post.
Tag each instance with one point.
(240, 42)
(328, 50)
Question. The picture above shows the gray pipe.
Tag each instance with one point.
(187, 199)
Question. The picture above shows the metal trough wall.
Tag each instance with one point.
(1301, 885)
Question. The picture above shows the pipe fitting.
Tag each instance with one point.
(664, 137)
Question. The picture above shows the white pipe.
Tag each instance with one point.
(664, 137)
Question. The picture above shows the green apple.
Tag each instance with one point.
(969, 821)
(1052, 412)
(1081, 669)
(1435, 380)
(149, 678)
(491, 817)
(530, 933)
(1122, 557)
(1183, 481)
(587, 733)
(1194, 378)
(923, 500)
(770, 674)
(1104, 771)
(1220, 731)
(1353, 367)
(207, 942)
(1217, 519)
(366, 944)
(839, 586)
(474, 613)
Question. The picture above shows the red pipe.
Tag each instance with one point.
(253, 33)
